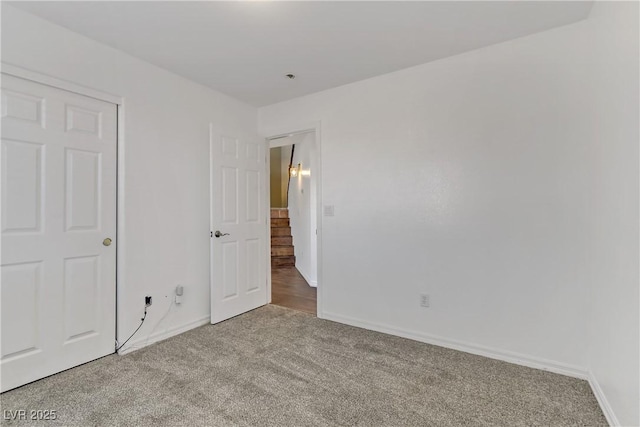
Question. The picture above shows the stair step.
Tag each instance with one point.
(279, 222)
(283, 261)
(281, 250)
(279, 213)
(281, 231)
(281, 241)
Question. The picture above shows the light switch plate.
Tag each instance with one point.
(328, 210)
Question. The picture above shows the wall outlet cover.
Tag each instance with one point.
(424, 300)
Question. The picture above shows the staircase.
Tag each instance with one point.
(281, 240)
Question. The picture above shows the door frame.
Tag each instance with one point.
(41, 78)
(289, 130)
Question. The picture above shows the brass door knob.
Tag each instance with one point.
(107, 242)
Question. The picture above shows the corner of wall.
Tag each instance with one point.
(607, 410)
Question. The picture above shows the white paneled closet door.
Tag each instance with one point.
(58, 262)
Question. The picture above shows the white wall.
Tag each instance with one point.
(614, 318)
(462, 178)
(165, 238)
(302, 207)
(504, 183)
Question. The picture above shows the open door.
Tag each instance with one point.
(238, 224)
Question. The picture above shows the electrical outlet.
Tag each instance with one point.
(147, 301)
(424, 300)
(179, 292)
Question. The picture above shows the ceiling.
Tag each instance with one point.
(244, 49)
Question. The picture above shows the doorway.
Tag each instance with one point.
(293, 217)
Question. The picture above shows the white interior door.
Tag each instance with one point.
(58, 204)
(239, 214)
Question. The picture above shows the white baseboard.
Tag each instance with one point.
(480, 350)
(312, 283)
(162, 335)
(602, 401)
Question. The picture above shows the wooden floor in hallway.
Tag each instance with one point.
(289, 289)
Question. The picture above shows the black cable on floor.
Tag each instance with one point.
(134, 332)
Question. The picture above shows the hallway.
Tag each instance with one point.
(289, 289)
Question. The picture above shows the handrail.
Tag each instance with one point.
(293, 148)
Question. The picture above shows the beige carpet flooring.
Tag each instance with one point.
(278, 367)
